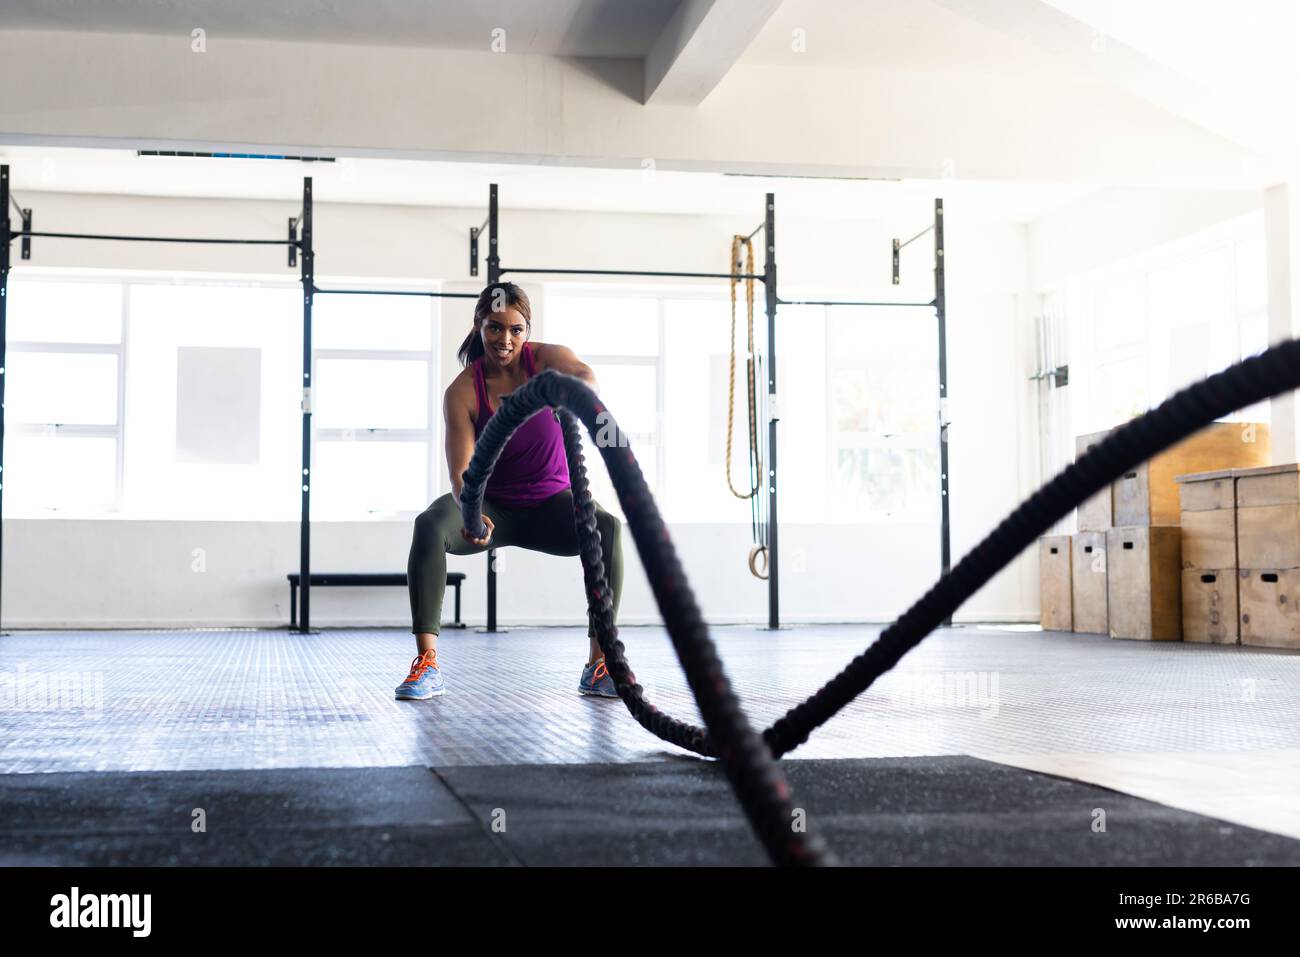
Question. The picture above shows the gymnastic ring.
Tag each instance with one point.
(753, 554)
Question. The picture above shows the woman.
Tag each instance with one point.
(527, 502)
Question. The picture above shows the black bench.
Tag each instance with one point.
(363, 580)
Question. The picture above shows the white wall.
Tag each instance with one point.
(994, 432)
(1112, 225)
(60, 573)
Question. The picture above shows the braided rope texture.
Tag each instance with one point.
(752, 771)
(737, 243)
(749, 758)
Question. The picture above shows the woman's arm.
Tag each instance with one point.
(460, 438)
(552, 355)
(460, 449)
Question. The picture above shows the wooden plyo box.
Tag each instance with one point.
(1096, 514)
(1210, 606)
(1268, 551)
(1209, 557)
(1088, 582)
(1148, 495)
(1268, 517)
(1054, 583)
(1144, 582)
(1269, 614)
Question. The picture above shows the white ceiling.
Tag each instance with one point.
(424, 183)
(1201, 66)
(1248, 46)
(904, 35)
(588, 28)
(1229, 67)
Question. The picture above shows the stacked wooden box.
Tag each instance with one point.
(1209, 581)
(1088, 582)
(1088, 548)
(1126, 559)
(1145, 580)
(1054, 581)
(1268, 555)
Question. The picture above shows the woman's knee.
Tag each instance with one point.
(432, 523)
(609, 526)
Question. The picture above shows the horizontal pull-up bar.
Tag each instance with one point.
(638, 272)
(316, 290)
(157, 239)
(852, 302)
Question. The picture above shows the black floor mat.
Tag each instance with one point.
(943, 811)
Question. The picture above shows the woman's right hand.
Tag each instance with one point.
(479, 541)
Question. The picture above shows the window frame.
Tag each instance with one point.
(124, 280)
(837, 440)
(922, 440)
(429, 435)
(116, 431)
(552, 291)
(1082, 294)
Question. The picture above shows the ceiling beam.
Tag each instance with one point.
(698, 46)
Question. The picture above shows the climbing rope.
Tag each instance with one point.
(748, 758)
(757, 524)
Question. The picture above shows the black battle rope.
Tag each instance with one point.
(748, 759)
(754, 775)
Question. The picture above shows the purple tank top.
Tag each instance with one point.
(532, 466)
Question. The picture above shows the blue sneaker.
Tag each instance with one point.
(596, 680)
(424, 681)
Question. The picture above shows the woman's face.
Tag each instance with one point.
(503, 335)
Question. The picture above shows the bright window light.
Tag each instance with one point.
(372, 322)
(60, 476)
(630, 392)
(66, 388)
(695, 410)
(167, 317)
(372, 394)
(604, 325)
(358, 479)
(71, 311)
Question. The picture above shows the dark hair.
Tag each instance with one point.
(497, 297)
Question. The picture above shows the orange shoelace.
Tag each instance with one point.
(422, 663)
(600, 672)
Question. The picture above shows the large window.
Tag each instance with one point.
(181, 399)
(1147, 328)
(621, 337)
(212, 401)
(63, 398)
(374, 402)
(857, 391)
(882, 393)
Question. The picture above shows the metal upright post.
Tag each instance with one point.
(307, 261)
(493, 275)
(4, 339)
(769, 282)
(940, 308)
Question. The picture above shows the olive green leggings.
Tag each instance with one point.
(547, 527)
